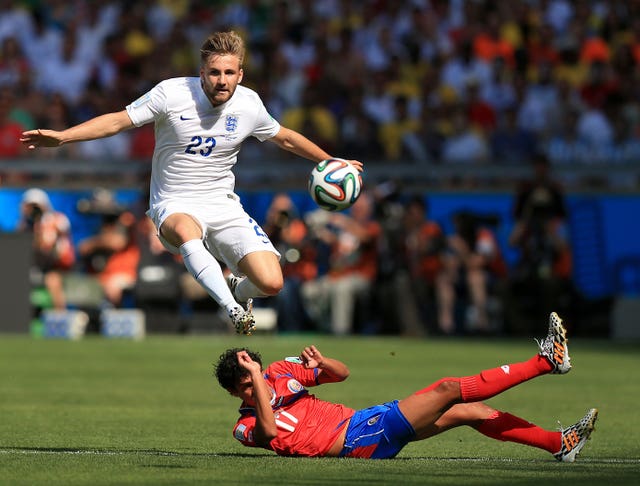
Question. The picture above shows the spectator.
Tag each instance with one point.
(297, 48)
(138, 41)
(67, 74)
(481, 114)
(600, 86)
(332, 298)
(392, 274)
(358, 132)
(14, 66)
(461, 66)
(538, 102)
(112, 254)
(9, 130)
(424, 249)
(570, 69)
(159, 290)
(624, 148)
(558, 14)
(143, 143)
(57, 115)
(345, 67)
(314, 119)
(565, 146)
(548, 53)
(595, 124)
(14, 19)
(510, 143)
(488, 44)
(499, 91)
(53, 252)
(399, 137)
(540, 47)
(93, 23)
(377, 102)
(117, 147)
(594, 49)
(473, 264)
(465, 145)
(40, 40)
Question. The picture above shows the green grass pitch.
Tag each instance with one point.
(102, 411)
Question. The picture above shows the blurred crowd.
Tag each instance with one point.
(382, 267)
(422, 81)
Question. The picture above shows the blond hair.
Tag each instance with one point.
(222, 43)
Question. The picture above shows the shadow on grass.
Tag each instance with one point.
(267, 455)
(113, 452)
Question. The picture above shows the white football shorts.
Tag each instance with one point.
(229, 233)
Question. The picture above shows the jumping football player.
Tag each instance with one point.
(200, 124)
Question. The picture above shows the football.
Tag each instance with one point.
(334, 184)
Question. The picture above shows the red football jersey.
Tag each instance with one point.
(307, 426)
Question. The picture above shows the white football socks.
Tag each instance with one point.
(206, 270)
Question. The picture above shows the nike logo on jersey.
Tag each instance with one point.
(184, 118)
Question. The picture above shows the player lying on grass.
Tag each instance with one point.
(278, 413)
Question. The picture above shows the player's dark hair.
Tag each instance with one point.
(220, 43)
(228, 371)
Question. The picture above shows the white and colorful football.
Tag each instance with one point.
(334, 184)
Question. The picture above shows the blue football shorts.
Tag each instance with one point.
(377, 432)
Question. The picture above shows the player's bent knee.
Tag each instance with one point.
(448, 386)
(272, 286)
(180, 228)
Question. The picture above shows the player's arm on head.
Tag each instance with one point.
(265, 430)
(99, 127)
(329, 370)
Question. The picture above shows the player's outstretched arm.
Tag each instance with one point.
(98, 127)
(331, 370)
(298, 144)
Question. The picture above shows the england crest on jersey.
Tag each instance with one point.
(231, 123)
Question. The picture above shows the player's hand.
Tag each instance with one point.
(245, 361)
(357, 164)
(311, 357)
(40, 138)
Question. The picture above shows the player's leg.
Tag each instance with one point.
(183, 232)
(564, 444)
(54, 285)
(477, 281)
(495, 424)
(343, 294)
(264, 276)
(445, 293)
(426, 406)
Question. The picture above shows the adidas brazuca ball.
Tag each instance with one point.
(334, 184)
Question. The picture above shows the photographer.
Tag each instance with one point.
(53, 251)
(290, 236)
(541, 279)
(112, 254)
(472, 262)
(352, 240)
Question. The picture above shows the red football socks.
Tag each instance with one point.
(506, 427)
(496, 380)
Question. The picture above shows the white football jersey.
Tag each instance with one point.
(197, 144)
